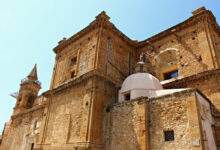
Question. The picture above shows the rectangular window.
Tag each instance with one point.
(127, 96)
(170, 75)
(73, 61)
(169, 135)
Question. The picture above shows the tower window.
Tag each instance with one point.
(30, 101)
(73, 74)
(170, 75)
(169, 135)
(127, 96)
(73, 61)
(32, 146)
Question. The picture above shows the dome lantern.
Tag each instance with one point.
(139, 84)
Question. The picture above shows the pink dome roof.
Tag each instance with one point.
(141, 81)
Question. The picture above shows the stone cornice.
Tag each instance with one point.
(204, 15)
(114, 29)
(183, 93)
(183, 82)
(78, 80)
(37, 107)
(142, 100)
(101, 19)
(65, 42)
(175, 94)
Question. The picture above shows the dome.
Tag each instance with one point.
(141, 81)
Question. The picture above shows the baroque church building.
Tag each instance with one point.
(109, 92)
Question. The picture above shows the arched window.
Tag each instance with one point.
(30, 101)
(167, 64)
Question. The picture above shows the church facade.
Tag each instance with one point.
(104, 97)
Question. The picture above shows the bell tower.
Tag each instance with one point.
(28, 91)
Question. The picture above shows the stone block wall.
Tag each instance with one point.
(207, 83)
(23, 130)
(68, 117)
(141, 123)
(84, 116)
(176, 113)
(105, 95)
(129, 126)
(216, 39)
(190, 49)
(75, 115)
(83, 50)
(117, 57)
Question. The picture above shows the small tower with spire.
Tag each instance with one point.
(28, 91)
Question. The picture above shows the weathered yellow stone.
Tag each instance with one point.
(81, 111)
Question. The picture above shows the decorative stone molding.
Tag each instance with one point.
(203, 15)
(80, 79)
(184, 81)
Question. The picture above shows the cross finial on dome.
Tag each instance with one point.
(142, 58)
(141, 65)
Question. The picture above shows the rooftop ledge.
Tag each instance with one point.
(179, 93)
(171, 80)
(177, 82)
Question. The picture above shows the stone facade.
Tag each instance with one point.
(182, 112)
(81, 108)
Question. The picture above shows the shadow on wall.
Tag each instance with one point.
(128, 127)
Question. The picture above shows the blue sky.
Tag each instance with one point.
(30, 29)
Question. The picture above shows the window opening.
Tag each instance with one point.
(127, 96)
(73, 61)
(171, 74)
(169, 135)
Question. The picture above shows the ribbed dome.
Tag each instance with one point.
(141, 81)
